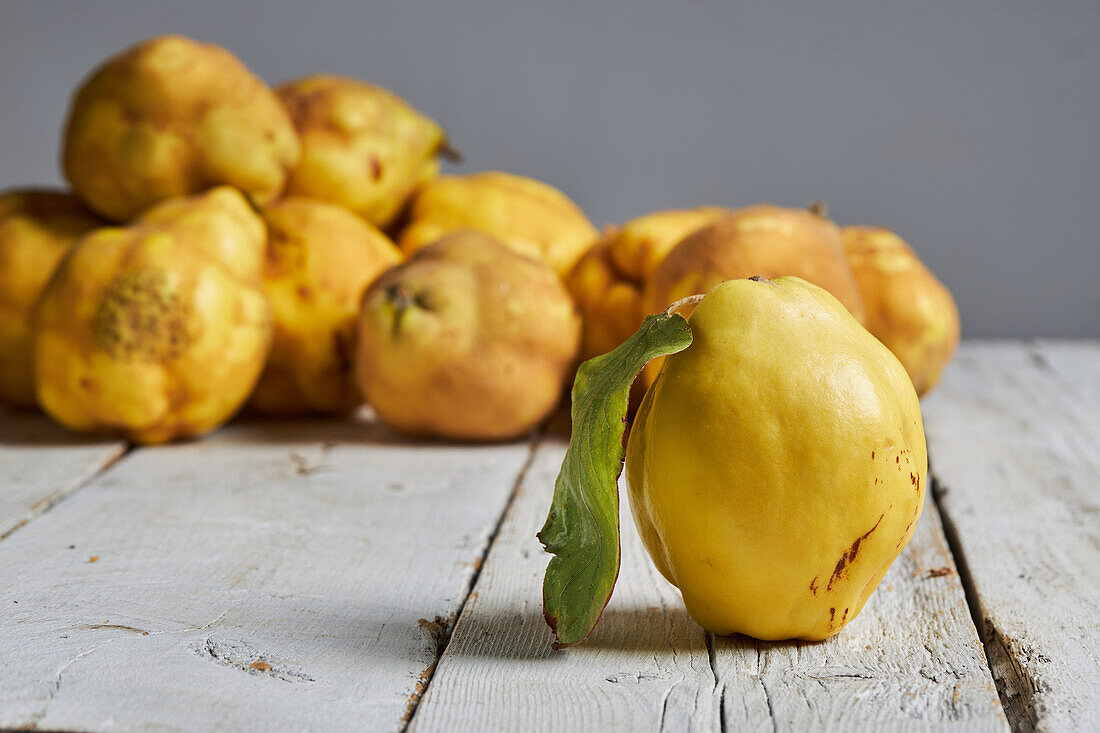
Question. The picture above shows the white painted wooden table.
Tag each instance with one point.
(332, 576)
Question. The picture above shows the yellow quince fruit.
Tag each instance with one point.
(608, 281)
(529, 216)
(778, 465)
(320, 259)
(171, 117)
(37, 228)
(906, 306)
(466, 340)
(158, 330)
(363, 147)
(764, 240)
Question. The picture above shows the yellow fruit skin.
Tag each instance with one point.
(363, 147)
(770, 241)
(778, 465)
(607, 282)
(320, 259)
(905, 305)
(171, 117)
(531, 217)
(37, 228)
(765, 240)
(467, 340)
(158, 330)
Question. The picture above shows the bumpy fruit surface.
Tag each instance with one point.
(158, 330)
(37, 228)
(467, 340)
(529, 216)
(171, 117)
(607, 282)
(320, 259)
(363, 147)
(778, 465)
(905, 305)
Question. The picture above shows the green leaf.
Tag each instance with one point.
(582, 529)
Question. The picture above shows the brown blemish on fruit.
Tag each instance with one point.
(844, 616)
(872, 455)
(850, 555)
(141, 318)
(343, 349)
(375, 168)
(813, 585)
(304, 292)
(905, 534)
(402, 299)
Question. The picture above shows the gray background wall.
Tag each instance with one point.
(973, 128)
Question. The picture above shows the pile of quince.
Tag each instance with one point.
(296, 251)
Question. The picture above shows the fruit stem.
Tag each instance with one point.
(819, 207)
(690, 300)
(401, 299)
(448, 153)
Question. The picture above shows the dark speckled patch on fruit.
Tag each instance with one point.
(141, 318)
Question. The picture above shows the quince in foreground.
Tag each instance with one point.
(777, 466)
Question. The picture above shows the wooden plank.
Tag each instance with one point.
(1077, 362)
(912, 659)
(1014, 433)
(41, 464)
(271, 577)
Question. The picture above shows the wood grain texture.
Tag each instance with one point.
(1013, 434)
(270, 577)
(912, 659)
(41, 464)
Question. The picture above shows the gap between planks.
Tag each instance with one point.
(72, 479)
(444, 638)
(51, 501)
(993, 656)
(1012, 435)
